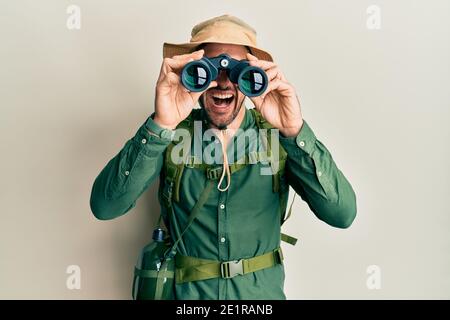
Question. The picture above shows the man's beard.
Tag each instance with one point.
(223, 123)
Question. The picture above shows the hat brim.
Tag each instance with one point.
(173, 49)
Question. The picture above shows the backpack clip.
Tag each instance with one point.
(214, 173)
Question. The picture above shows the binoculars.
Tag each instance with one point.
(197, 75)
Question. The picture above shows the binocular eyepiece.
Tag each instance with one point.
(197, 75)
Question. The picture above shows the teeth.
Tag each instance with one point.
(222, 96)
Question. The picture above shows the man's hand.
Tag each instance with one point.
(173, 102)
(279, 104)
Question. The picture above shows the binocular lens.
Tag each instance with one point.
(252, 82)
(195, 77)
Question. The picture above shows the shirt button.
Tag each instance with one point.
(222, 206)
(222, 239)
(144, 141)
(319, 173)
(302, 143)
(127, 172)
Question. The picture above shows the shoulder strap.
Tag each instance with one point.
(173, 171)
(283, 191)
(194, 213)
(279, 163)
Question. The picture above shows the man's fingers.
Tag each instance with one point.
(177, 62)
(263, 64)
(251, 57)
(195, 54)
(274, 73)
(175, 65)
(173, 78)
(278, 85)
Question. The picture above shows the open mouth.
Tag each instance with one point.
(222, 100)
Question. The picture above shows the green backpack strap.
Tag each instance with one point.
(193, 215)
(276, 182)
(286, 238)
(262, 123)
(173, 171)
(172, 176)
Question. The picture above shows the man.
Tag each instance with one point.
(240, 219)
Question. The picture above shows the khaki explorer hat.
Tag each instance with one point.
(223, 29)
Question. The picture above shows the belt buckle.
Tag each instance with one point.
(230, 269)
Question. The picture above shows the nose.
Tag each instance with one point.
(222, 79)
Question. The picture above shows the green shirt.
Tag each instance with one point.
(241, 222)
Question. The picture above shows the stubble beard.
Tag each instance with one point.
(220, 124)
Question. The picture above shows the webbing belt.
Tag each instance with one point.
(195, 269)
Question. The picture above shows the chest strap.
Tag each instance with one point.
(195, 269)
